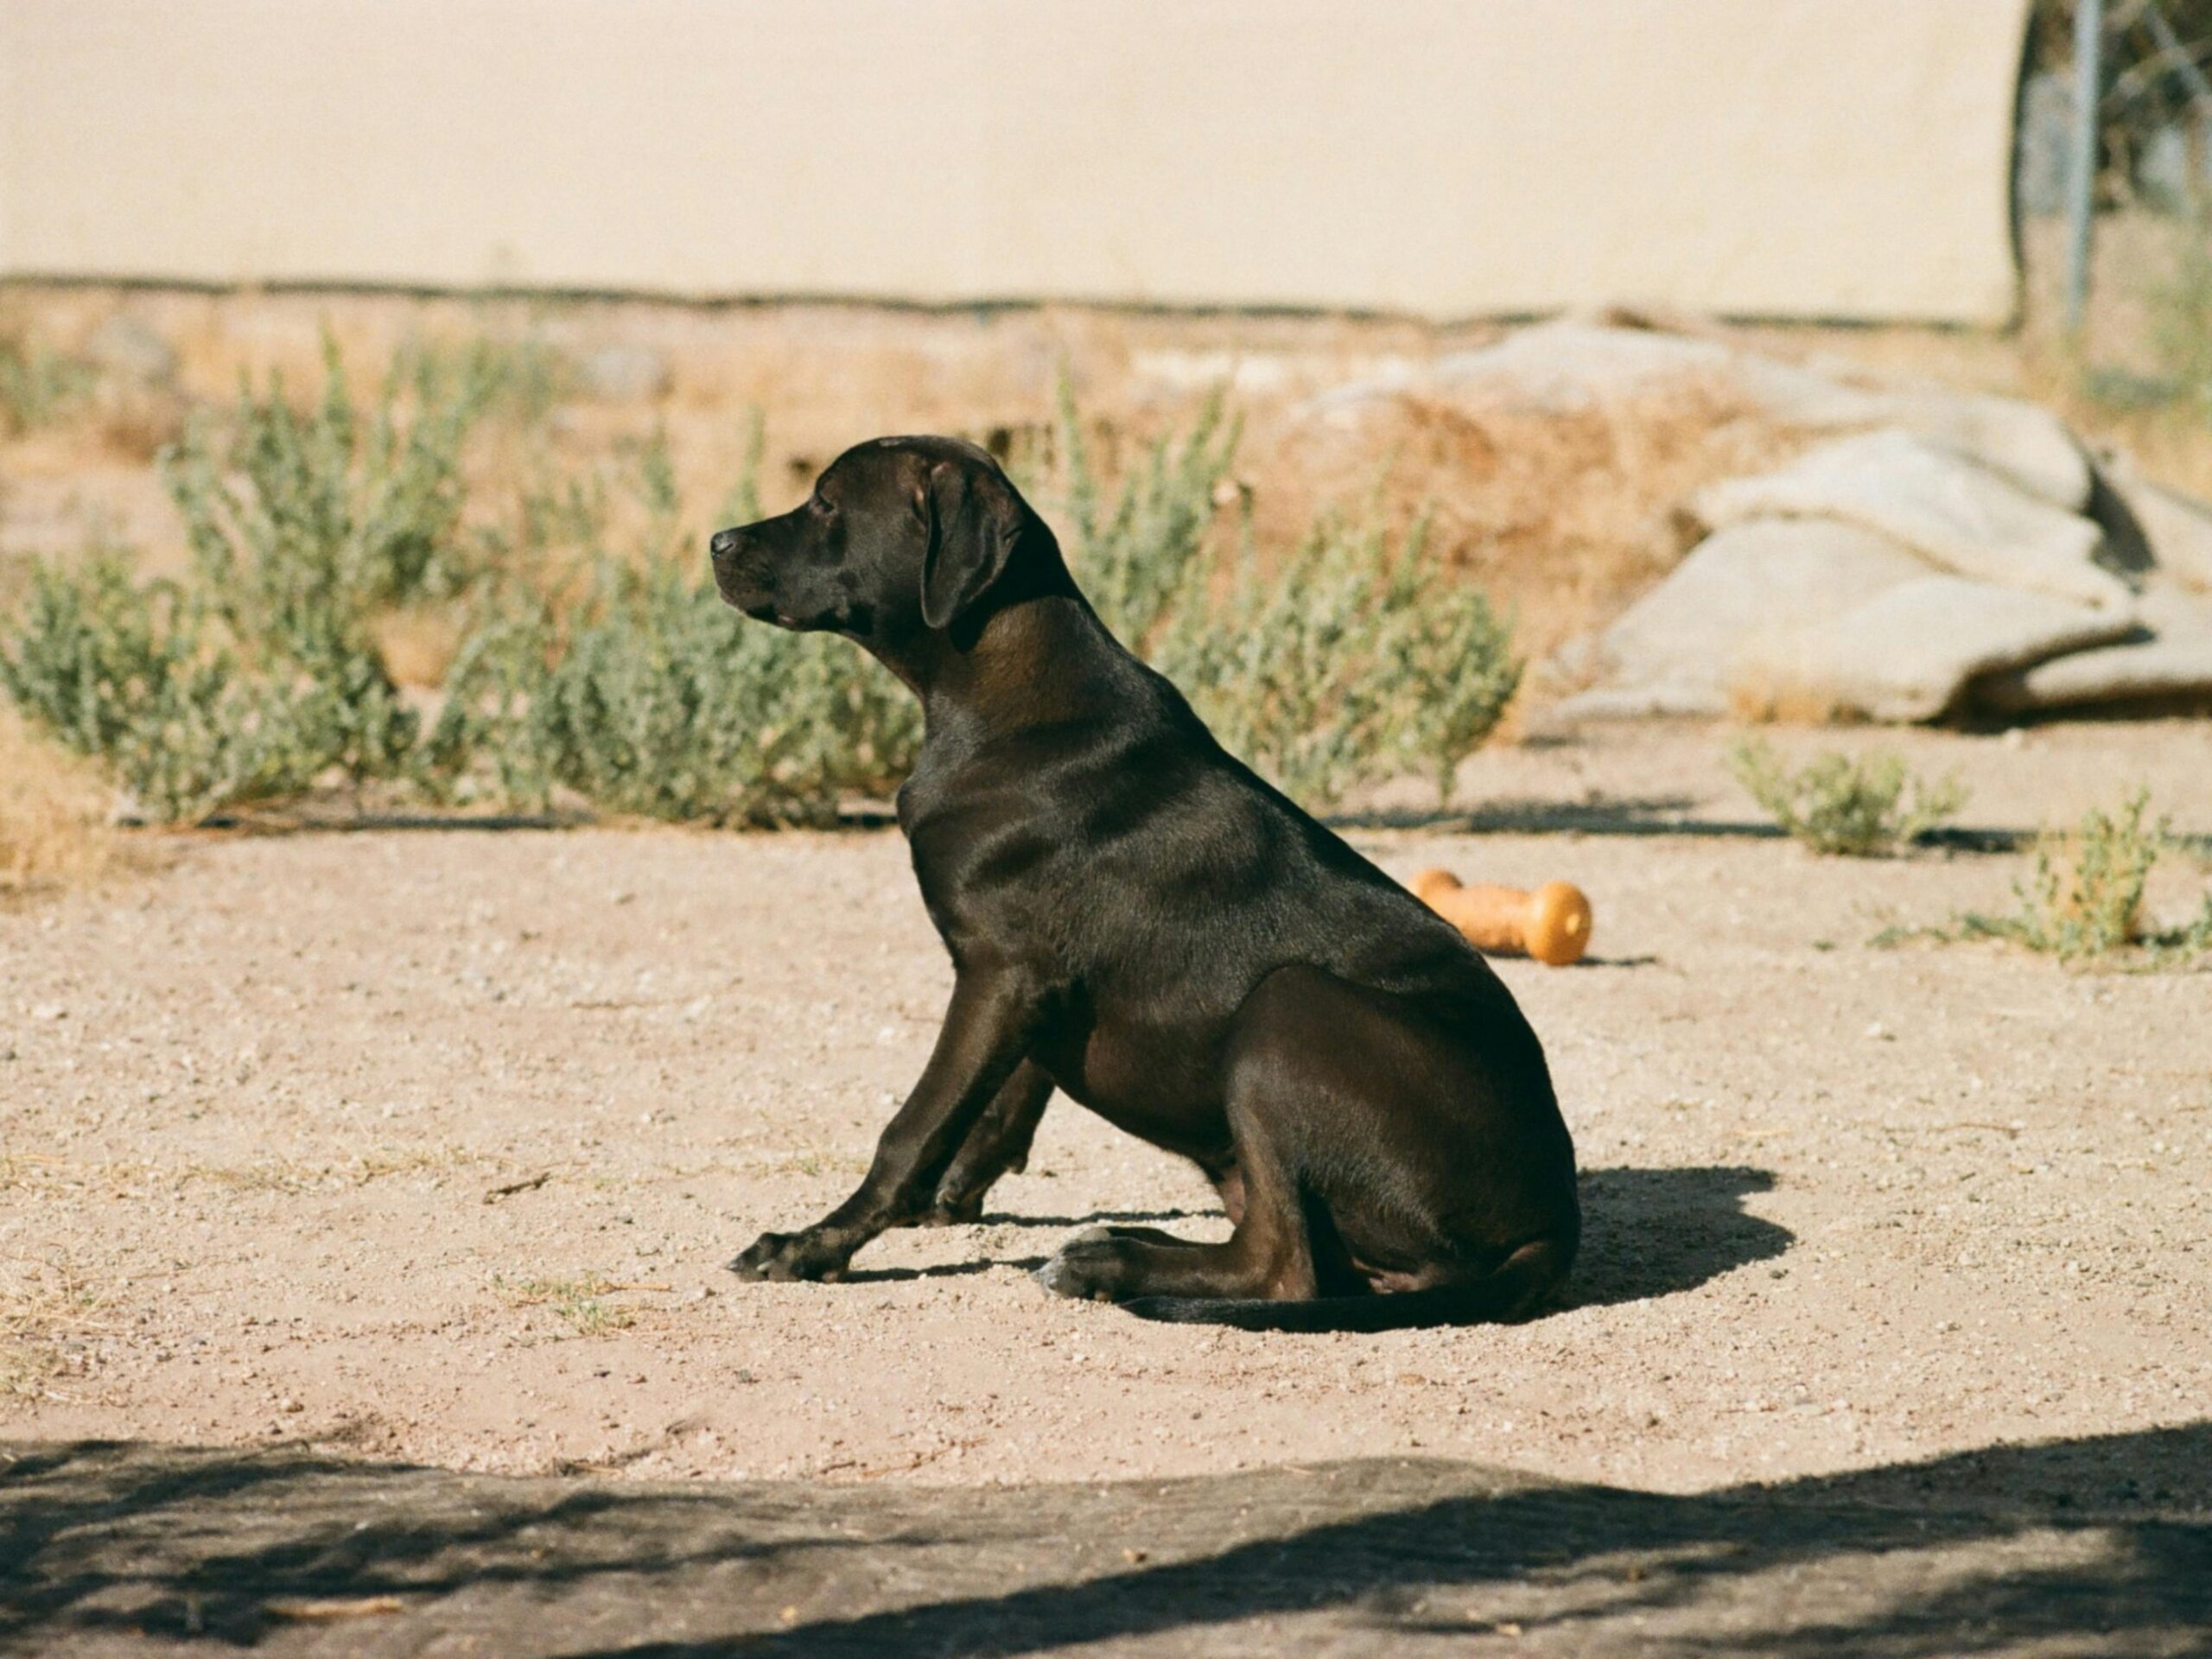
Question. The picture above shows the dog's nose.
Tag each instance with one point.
(722, 541)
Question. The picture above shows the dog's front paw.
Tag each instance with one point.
(1089, 1267)
(789, 1255)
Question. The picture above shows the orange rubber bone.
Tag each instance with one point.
(1552, 924)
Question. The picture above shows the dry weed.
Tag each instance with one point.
(1562, 517)
(46, 1312)
(580, 1302)
(416, 643)
(53, 827)
(293, 1176)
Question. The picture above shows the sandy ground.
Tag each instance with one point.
(138, 1549)
(1849, 1206)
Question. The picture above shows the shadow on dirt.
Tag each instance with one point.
(1646, 1233)
(2101, 1545)
(1653, 1232)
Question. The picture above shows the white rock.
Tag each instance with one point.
(1669, 654)
(1961, 516)
(1910, 653)
(623, 374)
(2173, 665)
(1566, 366)
(2177, 528)
(129, 348)
(2028, 444)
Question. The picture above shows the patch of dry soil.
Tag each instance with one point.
(1849, 1206)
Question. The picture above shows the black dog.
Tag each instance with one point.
(1135, 917)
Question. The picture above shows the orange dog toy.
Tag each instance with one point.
(1552, 924)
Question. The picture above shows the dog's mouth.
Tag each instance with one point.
(757, 604)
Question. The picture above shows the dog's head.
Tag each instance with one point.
(901, 537)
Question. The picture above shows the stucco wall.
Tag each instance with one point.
(1446, 157)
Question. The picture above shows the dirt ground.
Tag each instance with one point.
(1849, 1206)
(130, 1550)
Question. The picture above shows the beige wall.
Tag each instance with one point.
(1446, 157)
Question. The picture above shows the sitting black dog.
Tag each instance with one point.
(1136, 918)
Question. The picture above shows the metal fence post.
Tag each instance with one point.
(2081, 182)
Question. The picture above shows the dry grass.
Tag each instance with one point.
(54, 829)
(292, 1175)
(579, 1303)
(1562, 518)
(46, 1312)
(417, 644)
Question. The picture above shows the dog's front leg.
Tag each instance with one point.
(985, 1035)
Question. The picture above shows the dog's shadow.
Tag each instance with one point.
(1648, 1233)
(1001, 1218)
(1096, 1218)
(941, 1270)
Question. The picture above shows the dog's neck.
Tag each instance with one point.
(1031, 659)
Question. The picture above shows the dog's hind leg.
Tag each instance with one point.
(998, 1144)
(1270, 1256)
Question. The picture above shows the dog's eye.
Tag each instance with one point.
(822, 504)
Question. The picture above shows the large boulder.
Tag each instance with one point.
(2172, 664)
(2023, 442)
(130, 349)
(1959, 515)
(621, 374)
(2174, 530)
(1567, 366)
(1670, 653)
(1910, 652)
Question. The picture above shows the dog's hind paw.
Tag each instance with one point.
(1083, 1267)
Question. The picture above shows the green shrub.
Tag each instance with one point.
(600, 661)
(37, 386)
(262, 676)
(651, 697)
(139, 678)
(1863, 808)
(1148, 553)
(1343, 664)
(2086, 899)
(520, 381)
(338, 513)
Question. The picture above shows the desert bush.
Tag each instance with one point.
(1345, 662)
(649, 696)
(582, 648)
(338, 513)
(262, 675)
(520, 380)
(2085, 897)
(138, 677)
(1864, 808)
(38, 386)
(54, 829)
(1144, 554)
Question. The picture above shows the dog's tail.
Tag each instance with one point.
(1513, 1292)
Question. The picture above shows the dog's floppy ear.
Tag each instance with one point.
(973, 521)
